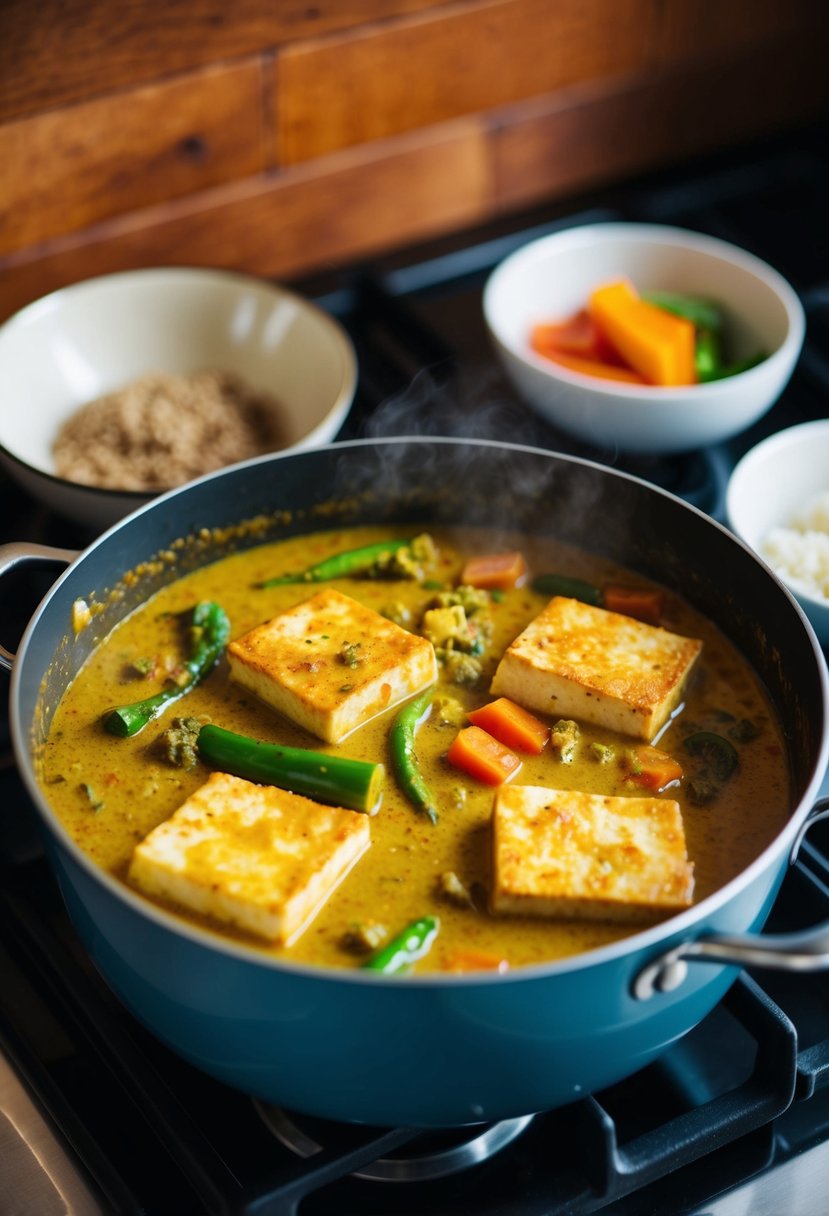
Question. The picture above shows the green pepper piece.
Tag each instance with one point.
(707, 355)
(210, 630)
(404, 950)
(704, 314)
(734, 369)
(719, 753)
(341, 565)
(336, 780)
(573, 588)
(404, 759)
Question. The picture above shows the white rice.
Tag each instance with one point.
(799, 553)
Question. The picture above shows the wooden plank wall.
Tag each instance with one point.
(284, 138)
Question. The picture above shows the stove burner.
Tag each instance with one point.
(436, 1154)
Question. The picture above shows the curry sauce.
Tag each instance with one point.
(111, 792)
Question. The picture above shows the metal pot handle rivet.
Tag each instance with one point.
(14, 554)
(804, 951)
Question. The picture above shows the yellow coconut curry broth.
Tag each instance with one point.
(111, 792)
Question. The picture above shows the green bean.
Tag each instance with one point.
(573, 588)
(210, 630)
(404, 950)
(340, 565)
(734, 369)
(707, 355)
(705, 314)
(336, 780)
(719, 753)
(404, 758)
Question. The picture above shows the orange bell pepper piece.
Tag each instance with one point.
(577, 335)
(512, 725)
(494, 571)
(482, 757)
(656, 343)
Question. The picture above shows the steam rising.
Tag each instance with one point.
(499, 478)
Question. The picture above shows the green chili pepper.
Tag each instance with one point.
(404, 950)
(210, 630)
(573, 588)
(336, 780)
(707, 355)
(734, 369)
(404, 759)
(341, 565)
(704, 314)
(718, 752)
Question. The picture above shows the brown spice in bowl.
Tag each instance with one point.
(162, 430)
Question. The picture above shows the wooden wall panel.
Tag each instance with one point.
(310, 219)
(75, 167)
(279, 136)
(57, 51)
(702, 29)
(346, 90)
(551, 149)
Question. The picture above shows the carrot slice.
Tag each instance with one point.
(644, 603)
(592, 367)
(494, 571)
(512, 724)
(653, 768)
(577, 335)
(482, 757)
(475, 960)
(656, 343)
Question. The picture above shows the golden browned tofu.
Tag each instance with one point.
(561, 853)
(330, 664)
(577, 661)
(252, 856)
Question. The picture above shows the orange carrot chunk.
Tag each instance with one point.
(475, 960)
(652, 768)
(494, 571)
(512, 724)
(592, 367)
(481, 756)
(644, 603)
(657, 344)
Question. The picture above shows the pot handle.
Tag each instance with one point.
(805, 950)
(14, 554)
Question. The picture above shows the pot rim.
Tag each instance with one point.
(653, 937)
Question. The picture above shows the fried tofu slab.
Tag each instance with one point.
(255, 857)
(578, 661)
(561, 853)
(331, 664)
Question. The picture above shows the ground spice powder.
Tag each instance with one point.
(162, 430)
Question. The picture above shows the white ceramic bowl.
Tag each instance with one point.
(768, 486)
(99, 335)
(552, 278)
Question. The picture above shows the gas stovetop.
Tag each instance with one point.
(733, 1118)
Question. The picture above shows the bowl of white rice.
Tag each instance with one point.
(778, 503)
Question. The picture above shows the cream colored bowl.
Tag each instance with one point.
(769, 488)
(99, 335)
(552, 278)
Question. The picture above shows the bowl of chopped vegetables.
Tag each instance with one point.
(120, 387)
(643, 337)
(777, 501)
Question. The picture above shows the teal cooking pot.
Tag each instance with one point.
(431, 1050)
